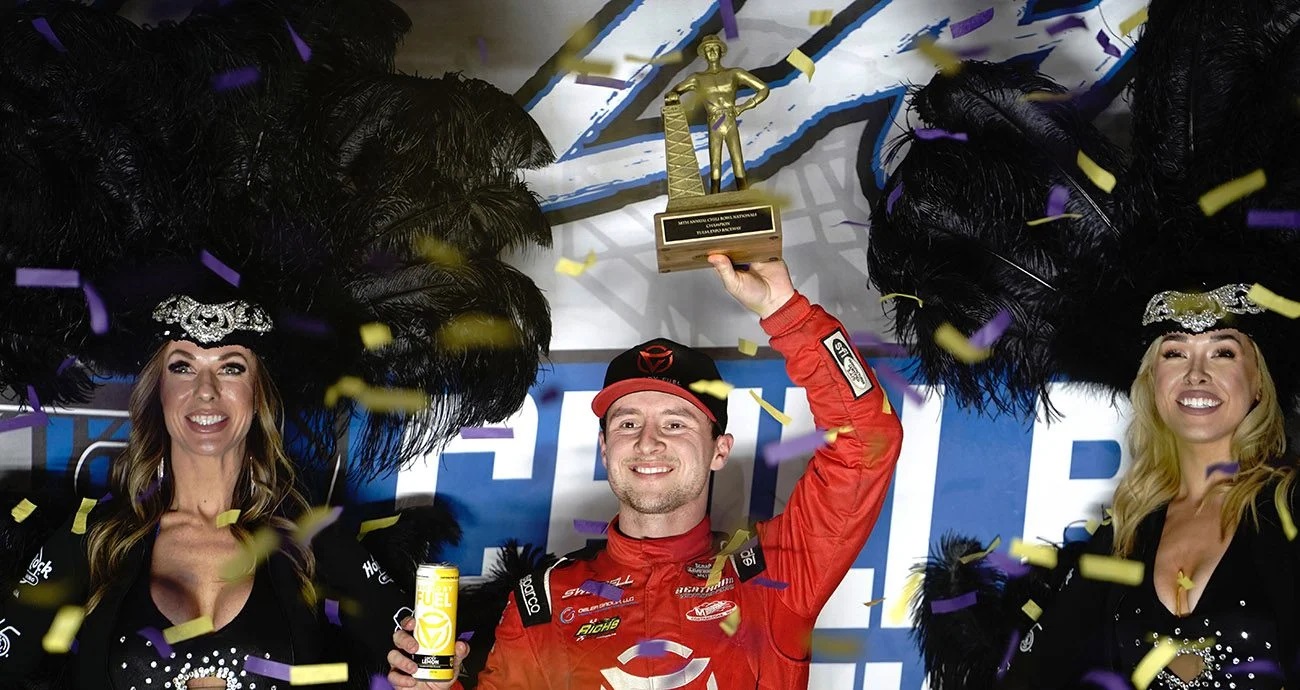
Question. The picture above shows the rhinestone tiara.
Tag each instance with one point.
(211, 323)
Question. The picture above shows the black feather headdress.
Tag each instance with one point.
(275, 137)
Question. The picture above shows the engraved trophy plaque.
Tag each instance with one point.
(743, 224)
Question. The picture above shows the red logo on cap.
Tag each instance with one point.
(654, 359)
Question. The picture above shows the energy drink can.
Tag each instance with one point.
(436, 587)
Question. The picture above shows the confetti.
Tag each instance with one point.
(377, 524)
(228, 517)
(856, 223)
(1109, 680)
(23, 510)
(820, 17)
(1056, 200)
(1225, 194)
(236, 78)
(436, 251)
(717, 388)
(989, 333)
(898, 611)
(874, 602)
(665, 59)
(1224, 467)
(306, 325)
(475, 330)
(159, 642)
(747, 347)
(1270, 218)
(889, 374)
(801, 62)
(1106, 46)
(870, 340)
(1032, 609)
(593, 527)
(188, 630)
(1011, 566)
(980, 555)
(1266, 667)
(738, 541)
(1288, 525)
(1050, 219)
(594, 80)
(98, 314)
(332, 611)
(776, 452)
(971, 23)
(476, 432)
(482, 49)
(376, 335)
(895, 295)
(1012, 646)
(65, 365)
(1185, 582)
(266, 667)
(79, 520)
(466, 636)
(1111, 569)
(394, 400)
(572, 63)
(24, 421)
(58, 638)
(718, 122)
(47, 277)
(1104, 180)
(652, 649)
(1151, 664)
(715, 571)
(1134, 21)
(314, 520)
(219, 267)
(773, 584)
(603, 590)
(972, 53)
(955, 344)
(42, 26)
(941, 606)
(728, 18)
(731, 623)
(894, 195)
(948, 63)
(378, 682)
(1045, 97)
(263, 542)
(932, 133)
(832, 434)
(569, 267)
(1270, 300)
(1036, 554)
(778, 415)
(1065, 24)
(304, 50)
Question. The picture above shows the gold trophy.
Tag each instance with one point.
(743, 224)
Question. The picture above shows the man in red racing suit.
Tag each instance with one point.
(656, 607)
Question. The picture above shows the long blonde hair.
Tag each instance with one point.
(1153, 480)
(265, 493)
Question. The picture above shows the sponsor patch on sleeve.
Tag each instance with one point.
(850, 365)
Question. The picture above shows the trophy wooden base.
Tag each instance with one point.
(744, 225)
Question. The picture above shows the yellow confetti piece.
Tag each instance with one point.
(801, 62)
(895, 295)
(477, 331)
(23, 510)
(832, 434)
(1111, 569)
(1036, 554)
(1101, 177)
(1225, 194)
(58, 638)
(1185, 582)
(956, 344)
(228, 517)
(778, 415)
(346, 386)
(436, 251)
(79, 521)
(377, 524)
(188, 630)
(777, 201)
(1032, 609)
(873, 602)
(898, 611)
(566, 266)
(1288, 525)
(884, 404)
(1049, 219)
(1045, 97)
(1134, 21)
(823, 644)
(665, 59)
(318, 674)
(947, 61)
(993, 545)
(747, 347)
(1151, 664)
(736, 541)
(263, 542)
(572, 63)
(1272, 301)
(716, 388)
(394, 399)
(48, 594)
(309, 522)
(820, 17)
(715, 571)
(376, 335)
(731, 623)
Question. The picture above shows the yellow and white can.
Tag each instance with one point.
(436, 589)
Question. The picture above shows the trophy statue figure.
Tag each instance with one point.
(716, 87)
(743, 224)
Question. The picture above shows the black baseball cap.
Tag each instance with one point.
(665, 366)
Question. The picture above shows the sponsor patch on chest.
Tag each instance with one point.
(711, 611)
(701, 592)
(700, 571)
(603, 627)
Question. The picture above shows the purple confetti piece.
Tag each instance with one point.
(332, 612)
(466, 636)
(32, 398)
(236, 78)
(378, 682)
(1056, 200)
(991, 331)
(932, 133)
(887, 373)
(98, 314)
(75, 646)
(149, 490)
(1006, 656)
(159, 642)
(215, 265)
(106, 497)
(67, 362)
(972, 53)
(24, 421)
(728, 19)
(971, 23)
(718, 122)
(486, 432)
(1106, 45)
(47, 277)
(305, 325)
(652, 649)
(776, 452)
(482, 49)
(1011, 566)
(603, 590)
(592, 527)
(1268, 218)
(774, 584)
(1224, 467)
(266, 667)
(894, 195)
(329, 519)
(304, 50)
(1065, 24)
(1106, 679)
(1266, 667)
(877, 344)
(597, 80)
(857, 223)
(957, 603)
(42, 26)
(550, 394)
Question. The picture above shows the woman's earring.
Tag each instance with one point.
(161, 471)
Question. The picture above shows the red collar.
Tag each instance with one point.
(691, 545)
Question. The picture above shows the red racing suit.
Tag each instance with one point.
(665, 630)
